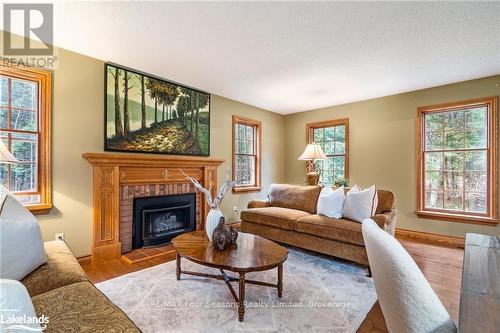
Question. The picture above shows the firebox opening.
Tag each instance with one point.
(157, 220)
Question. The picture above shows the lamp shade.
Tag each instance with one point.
(312, 152)
(5, 155)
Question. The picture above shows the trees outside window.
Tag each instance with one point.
(25, 99)
(457, 161)
(246, 154)
(333, 137)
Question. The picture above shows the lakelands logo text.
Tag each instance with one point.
(11, 320)
(28, 35)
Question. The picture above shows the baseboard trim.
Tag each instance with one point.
(84, 260)
(430, 237)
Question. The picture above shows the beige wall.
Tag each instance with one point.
(78, 95)
(382, 146)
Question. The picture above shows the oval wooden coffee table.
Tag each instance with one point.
(250, 254)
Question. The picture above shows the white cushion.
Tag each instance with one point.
(15, 303)
(407, 300)
(360, 204)
(330, 202)
(353, 189)
(21, 243)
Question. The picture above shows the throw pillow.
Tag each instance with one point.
(330, 202)
(15, 305)
(354, 189)
(360, 204)
(21, 241)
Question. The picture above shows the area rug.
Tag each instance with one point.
(320, 294)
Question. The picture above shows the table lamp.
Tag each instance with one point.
(312, 153)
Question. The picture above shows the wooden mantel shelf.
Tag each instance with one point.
(149, 159)
(113, 170)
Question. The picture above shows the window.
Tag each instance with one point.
(333, 137)
(246, 154)
(25, 96)
(457, 161)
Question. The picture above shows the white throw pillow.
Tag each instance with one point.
(15, 306)
(407, 300)
(21, 244)
(354, 189)
(360, 204)
(330, 202)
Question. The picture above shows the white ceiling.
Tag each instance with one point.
(290, 56)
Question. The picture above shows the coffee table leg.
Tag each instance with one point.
(178, 270)
(241, 299)
(280, 280)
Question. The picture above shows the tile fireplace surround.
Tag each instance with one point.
(119, 178)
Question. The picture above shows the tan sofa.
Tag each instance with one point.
(61, 290)
(289, 216)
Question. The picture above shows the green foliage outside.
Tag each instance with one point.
(456, 160)
(23, 116)
(332, 141)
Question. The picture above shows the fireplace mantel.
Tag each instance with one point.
(113, 170)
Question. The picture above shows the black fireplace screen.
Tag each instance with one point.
(159, 219)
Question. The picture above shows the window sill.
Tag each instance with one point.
(39, 209)
(246, 189)
(472, 219)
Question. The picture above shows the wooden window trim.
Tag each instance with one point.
(330, 123)
(258, 147)
(44, 81)
(491, 217)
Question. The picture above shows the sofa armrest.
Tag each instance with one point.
(258, 204)
(386, 221)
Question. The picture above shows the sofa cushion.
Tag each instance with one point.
(278, 217)
(80, 307)
(21, 243)
(360, 204)
(386, 201)
(61, 269)
(294, 197)
(336, 229)
(331, 202)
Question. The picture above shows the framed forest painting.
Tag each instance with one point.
(147, 114)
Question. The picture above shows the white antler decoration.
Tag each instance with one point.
(208, 194)
(228, 184)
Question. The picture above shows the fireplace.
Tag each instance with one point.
(158, 219)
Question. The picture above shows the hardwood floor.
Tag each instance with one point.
(441, 265)
(112, 269)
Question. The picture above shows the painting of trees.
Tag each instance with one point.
(115, 73)
(126, 120)
(153, 88)
(142, 80)
(148, 114)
